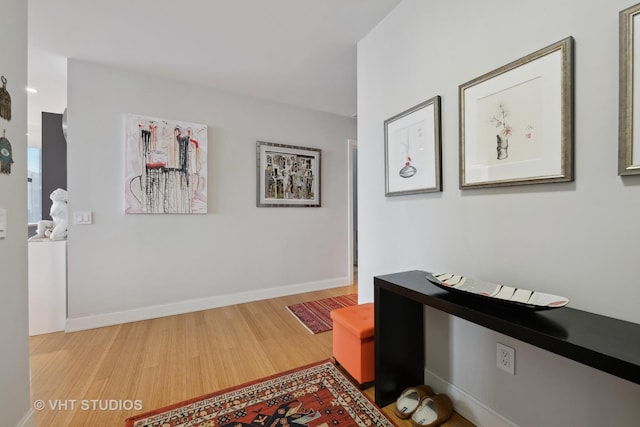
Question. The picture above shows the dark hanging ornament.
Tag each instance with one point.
(6, 155)
(5, 101)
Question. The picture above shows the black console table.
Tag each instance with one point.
(601, 342)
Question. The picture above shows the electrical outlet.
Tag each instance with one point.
(506, 359)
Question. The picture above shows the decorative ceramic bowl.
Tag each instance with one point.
(523, 298)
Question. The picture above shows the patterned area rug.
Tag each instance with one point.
(316, 395)
(314, 315)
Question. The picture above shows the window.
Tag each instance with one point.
(34, 184)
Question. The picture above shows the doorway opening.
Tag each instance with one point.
(352, 211)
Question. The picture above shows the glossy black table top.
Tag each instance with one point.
(602, 342)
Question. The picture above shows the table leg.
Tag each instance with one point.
(399, 344)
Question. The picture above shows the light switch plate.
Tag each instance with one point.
(3, 223)
(83, 217)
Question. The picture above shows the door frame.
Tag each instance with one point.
(352, 179)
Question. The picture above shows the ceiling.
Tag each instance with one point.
(298, 52)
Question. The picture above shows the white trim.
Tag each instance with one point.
(466, 405)
(29, 420)
(351, 145)
(181, 307)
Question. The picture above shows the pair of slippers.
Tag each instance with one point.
(423, 406)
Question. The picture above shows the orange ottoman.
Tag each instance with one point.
(353, 341)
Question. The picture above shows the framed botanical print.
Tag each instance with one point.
(516, 122)
(629, 115)
(412, 143)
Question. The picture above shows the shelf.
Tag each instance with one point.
(604, 343)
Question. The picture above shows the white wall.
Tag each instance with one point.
(14, 373)
(574, 239)
(129, 267)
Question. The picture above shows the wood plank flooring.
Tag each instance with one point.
(95, 377)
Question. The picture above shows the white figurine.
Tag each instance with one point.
(56, 228)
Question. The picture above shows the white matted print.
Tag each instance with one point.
(510, 125)
(412, 150)
(629, 114)
(166, 166)
(287, 175)
(516, 121)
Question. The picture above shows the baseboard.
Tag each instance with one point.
(29, 420)
(466, 405)
(189, 306)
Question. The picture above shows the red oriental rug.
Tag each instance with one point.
(316, 395)
(314, 315)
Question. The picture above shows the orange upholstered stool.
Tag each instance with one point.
(353, 341)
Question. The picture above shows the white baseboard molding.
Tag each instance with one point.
(29, 420)
(181, 307)
(466, 405)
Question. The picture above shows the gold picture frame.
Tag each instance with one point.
(628, 140)
(516, 122)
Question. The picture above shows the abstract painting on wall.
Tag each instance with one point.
(287, 175)
(166, 166)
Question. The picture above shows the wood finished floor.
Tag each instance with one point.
(167, 360)
(170, 359)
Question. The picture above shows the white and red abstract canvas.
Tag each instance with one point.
(166, 166)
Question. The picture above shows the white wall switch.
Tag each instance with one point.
(3, 223)
(83, 217)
